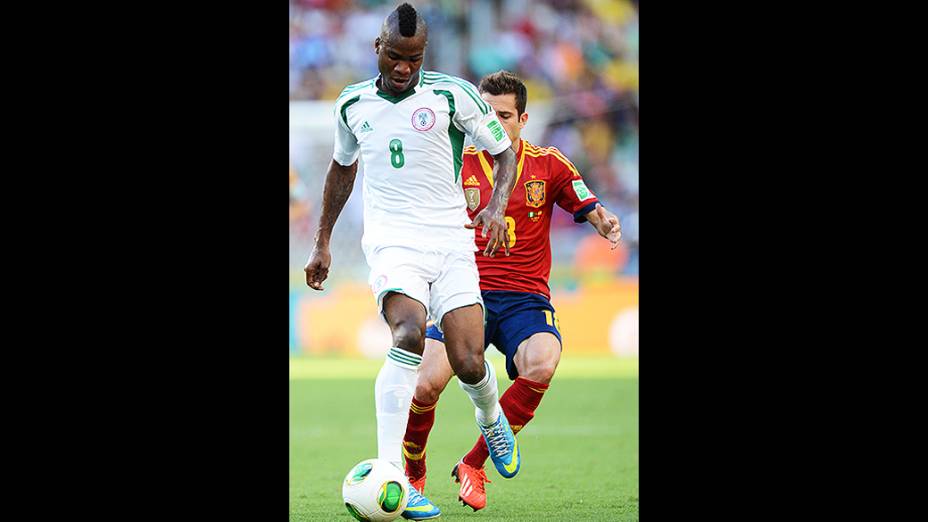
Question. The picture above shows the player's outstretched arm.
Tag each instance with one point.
(606, 223)
(338, 184)
(493, 216)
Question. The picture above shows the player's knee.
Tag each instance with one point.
(541, 371)
(409, 336)
(428, 391)
(539, 363)
(470, 369)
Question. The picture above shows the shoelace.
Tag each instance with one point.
(482, 475)
(496, 436)
(414, 495)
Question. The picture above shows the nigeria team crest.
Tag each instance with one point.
(535, 193)
(423, 119)
(379, 282)
(473, 198)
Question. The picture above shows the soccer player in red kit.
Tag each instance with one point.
(520, 320)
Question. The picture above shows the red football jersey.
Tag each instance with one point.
(544, 177)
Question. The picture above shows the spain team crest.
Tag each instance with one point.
(535, 193)
(472, 195)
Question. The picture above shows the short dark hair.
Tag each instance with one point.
(504, 82)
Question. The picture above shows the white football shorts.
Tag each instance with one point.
(441, 281)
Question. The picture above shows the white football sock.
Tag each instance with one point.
(485, 396)
(393, 391)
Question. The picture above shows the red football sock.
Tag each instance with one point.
(519, 404)
(421, 419)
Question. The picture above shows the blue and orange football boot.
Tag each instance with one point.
(503, 446)
(419, 507)
(473, 492)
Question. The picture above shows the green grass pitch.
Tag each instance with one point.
(579, 453)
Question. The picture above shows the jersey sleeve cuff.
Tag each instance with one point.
(500, 146)
(580, 215)
(345, 160)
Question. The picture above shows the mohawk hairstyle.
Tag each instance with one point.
(408, 16)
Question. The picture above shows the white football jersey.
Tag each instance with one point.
(412, 150)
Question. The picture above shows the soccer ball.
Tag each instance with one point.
(375, 490)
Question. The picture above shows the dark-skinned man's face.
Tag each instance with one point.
(399, 59)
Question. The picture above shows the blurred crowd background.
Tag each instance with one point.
(579, 60)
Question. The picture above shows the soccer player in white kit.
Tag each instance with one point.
(408, 125)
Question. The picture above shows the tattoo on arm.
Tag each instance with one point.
(338, 184)
(504, 176)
